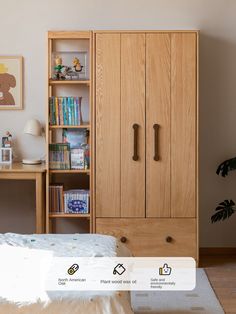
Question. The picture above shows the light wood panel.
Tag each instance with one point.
(69, 34)
(132, 112)
(158, 112)
(148, 236)
(183, 125)
(81, 82)
(108, 125)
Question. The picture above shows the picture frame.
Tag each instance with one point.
(5, 155)
(11, 82)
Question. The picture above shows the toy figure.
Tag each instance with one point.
(58, 75)
(77, 65)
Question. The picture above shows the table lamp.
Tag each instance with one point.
(33, 127)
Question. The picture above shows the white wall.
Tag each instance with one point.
(23, 25)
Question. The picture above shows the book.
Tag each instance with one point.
(65, 111)
(56, 201)
(77, 138)
(59, 156)
(76, 201)
(77, 158)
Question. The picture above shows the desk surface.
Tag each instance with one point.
(19, 167)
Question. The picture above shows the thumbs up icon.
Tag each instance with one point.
(165, 270)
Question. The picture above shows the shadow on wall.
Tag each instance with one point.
(217, 135)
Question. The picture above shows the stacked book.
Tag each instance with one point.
(76, 201)
(70, 202)
(59, 156)
(56, 198)
(65, 111)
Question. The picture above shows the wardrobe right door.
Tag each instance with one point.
(171, 124)
(183, 124)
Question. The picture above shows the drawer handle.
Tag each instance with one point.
(135, 155)
(123, 239)
(169, 239)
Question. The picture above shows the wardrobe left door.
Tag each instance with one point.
(108, 124)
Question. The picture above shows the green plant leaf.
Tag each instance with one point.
(226, 166)
(224, 210)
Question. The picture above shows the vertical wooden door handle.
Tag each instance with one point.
(135, 155)
(156, 128)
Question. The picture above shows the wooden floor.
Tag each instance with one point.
(221, 271)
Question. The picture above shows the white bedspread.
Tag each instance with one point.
(80, 245)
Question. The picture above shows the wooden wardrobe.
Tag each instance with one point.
(146, 116)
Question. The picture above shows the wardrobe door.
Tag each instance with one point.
(132, 125)
(158, 125)
(183, 124)
(108, 118)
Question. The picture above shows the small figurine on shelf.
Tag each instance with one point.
(58, 75)
(77, 65)
(72, 73)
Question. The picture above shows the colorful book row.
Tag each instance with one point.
(65, 111)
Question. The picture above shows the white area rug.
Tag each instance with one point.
(201, 300)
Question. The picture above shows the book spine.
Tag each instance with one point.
(61, 111)
(64, 110)
(72, 111)
(56, 111)
(80, 110)
(69, 110)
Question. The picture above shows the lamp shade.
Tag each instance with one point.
(33, 127)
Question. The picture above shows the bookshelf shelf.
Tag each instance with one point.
(82, 126)
(69, 82)
(69, 102)
(87, 171)
(63, 215)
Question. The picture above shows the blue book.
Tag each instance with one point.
(64, 110)
(69, 111)
(77, 111)
(72, 111)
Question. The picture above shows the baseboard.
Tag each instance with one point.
(218, 251)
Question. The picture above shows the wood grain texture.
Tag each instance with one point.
(69, 34)
(132, 111)
(92, 135)
(158, 112)
(19, 167)
(183, 125)
(108, 125)
(147, 237)
(40, 203)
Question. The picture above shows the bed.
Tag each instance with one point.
(80, 245)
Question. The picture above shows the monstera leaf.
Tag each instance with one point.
(226, 166)
(223, 210)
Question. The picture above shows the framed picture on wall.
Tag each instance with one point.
(11, 89)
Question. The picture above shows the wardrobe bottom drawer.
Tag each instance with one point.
(153, 237)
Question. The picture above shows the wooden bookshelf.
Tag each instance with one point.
(69, 82)
(63, 215)
(69, 88)
(82, 126)
(87, 171)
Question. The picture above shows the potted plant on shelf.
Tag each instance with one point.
(226, 208)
